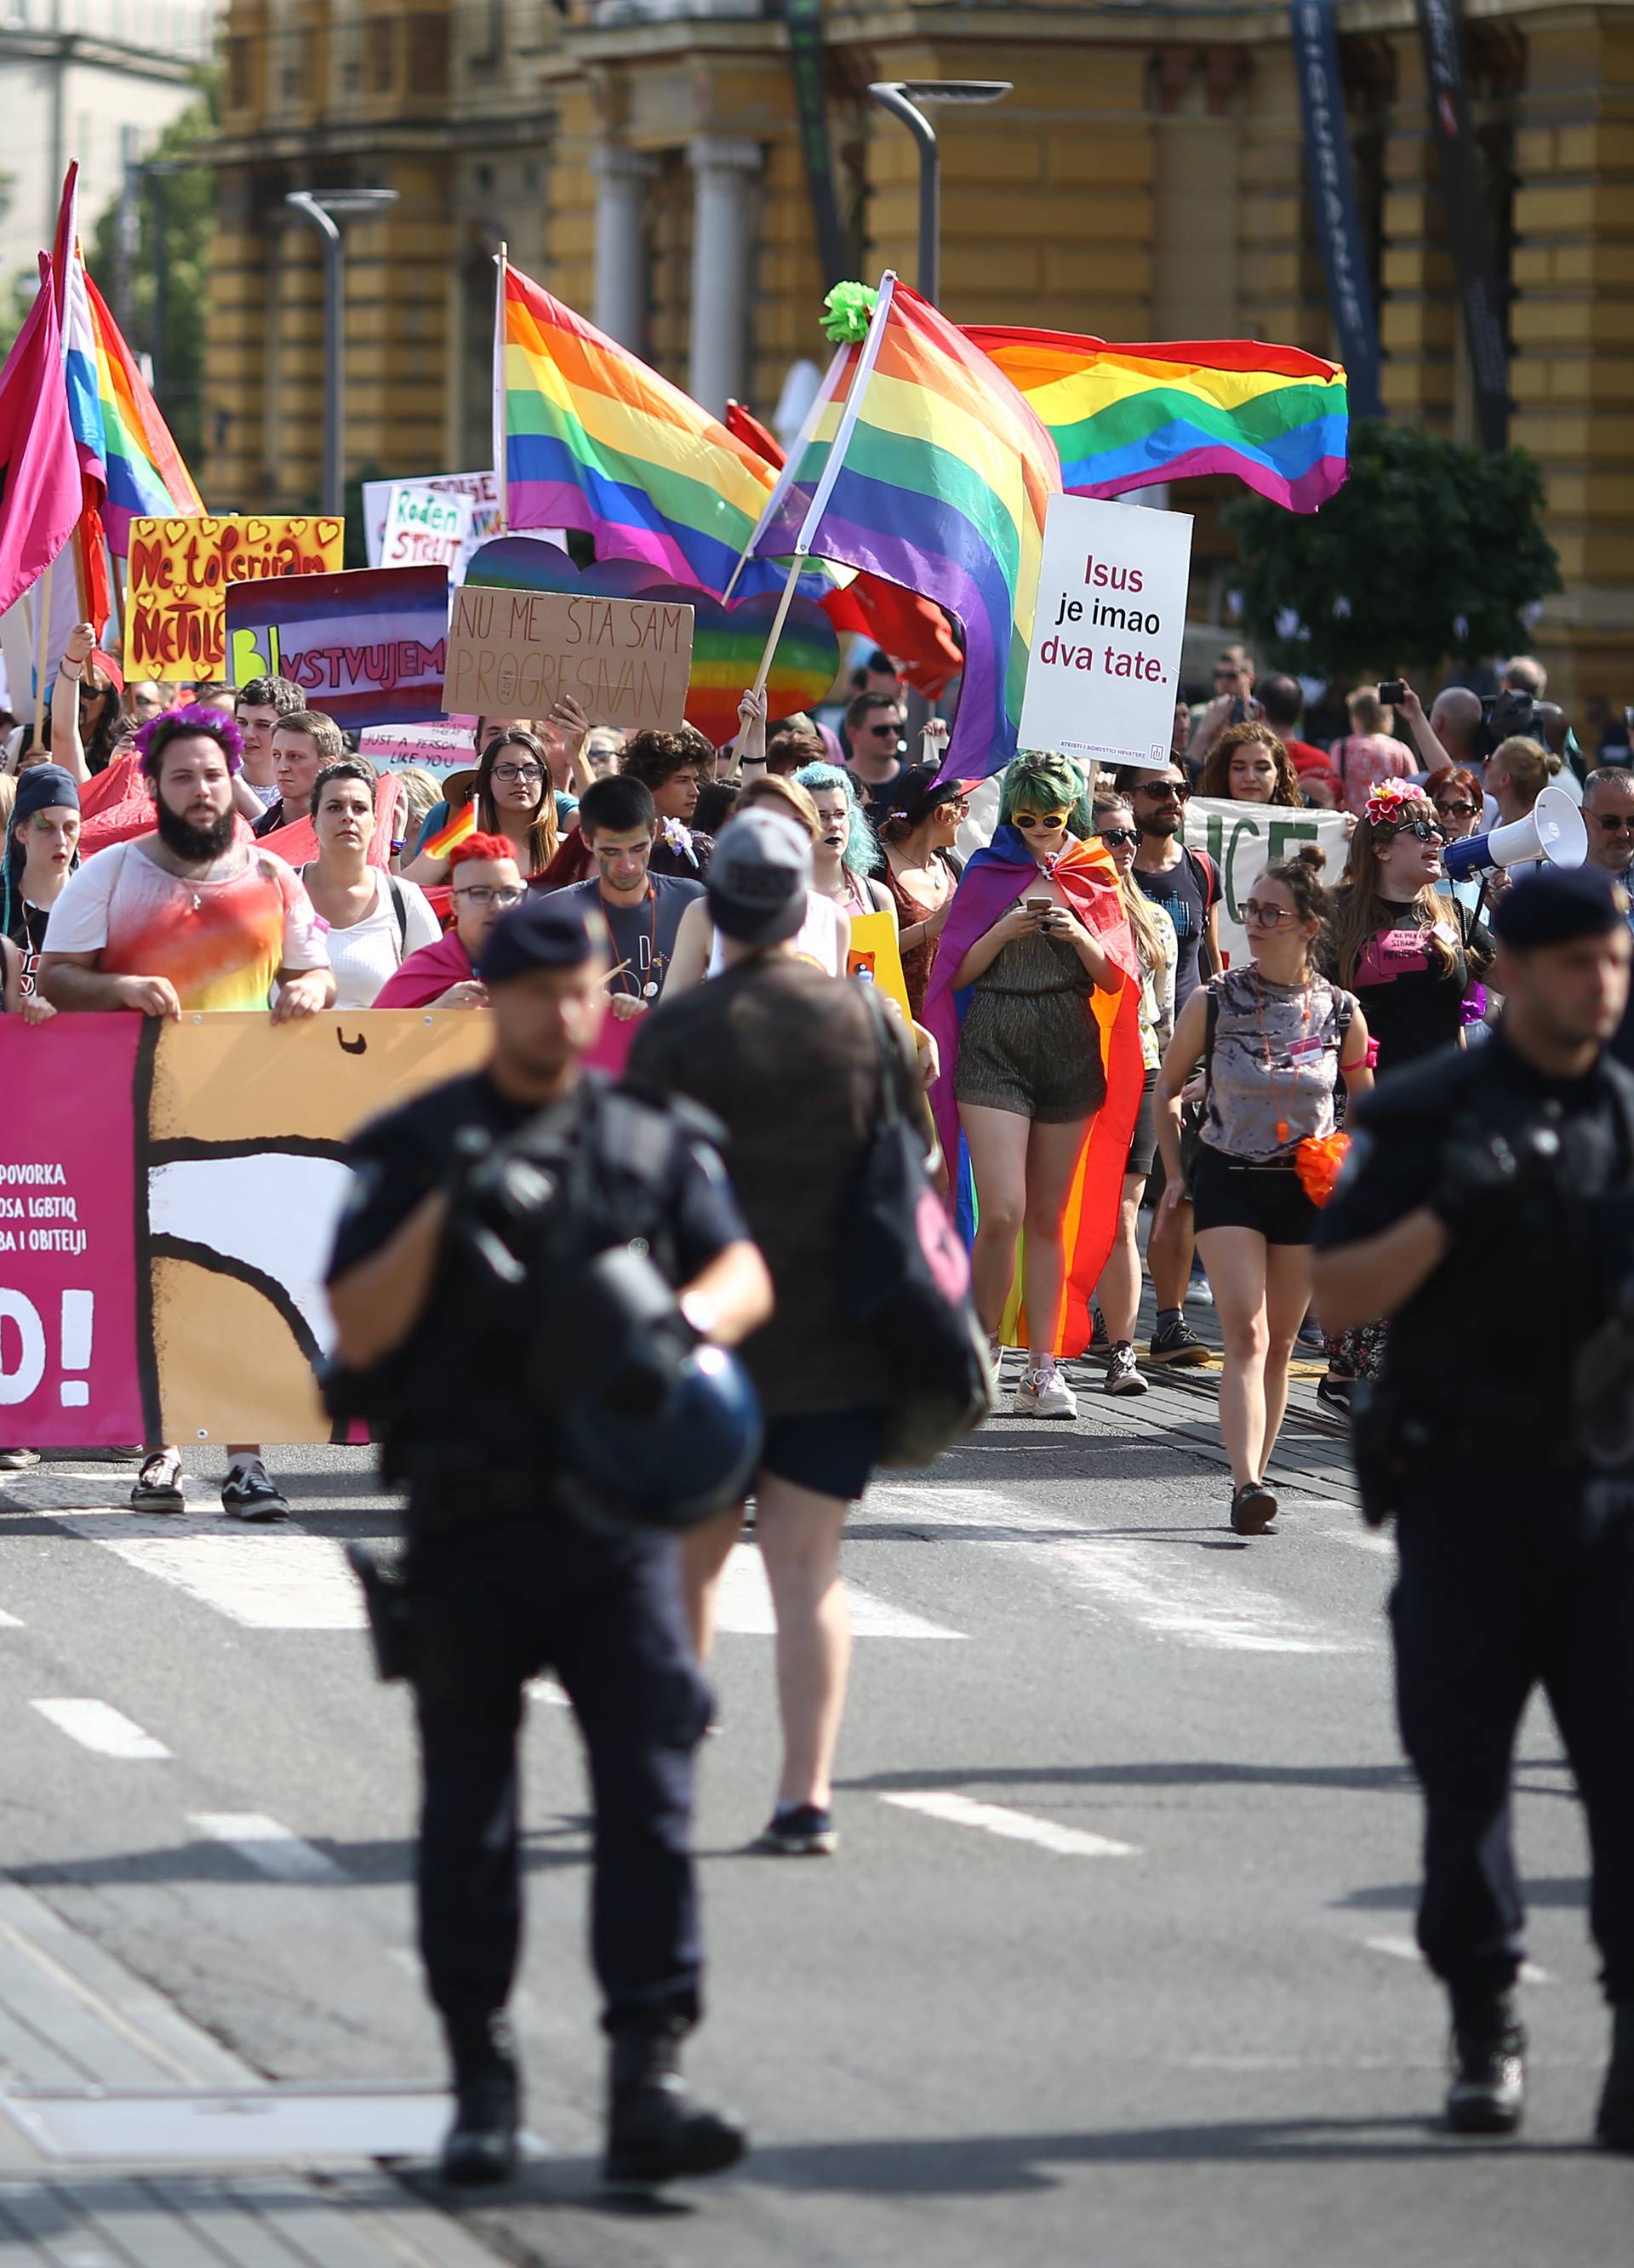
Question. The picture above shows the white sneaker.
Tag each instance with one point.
(1043, 1394)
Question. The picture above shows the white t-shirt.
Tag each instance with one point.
(818, 938)
(374, 948)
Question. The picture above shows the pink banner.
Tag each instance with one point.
(69, 1336)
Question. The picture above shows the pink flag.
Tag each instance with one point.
(39, 495)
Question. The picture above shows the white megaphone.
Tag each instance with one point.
(1552, 829)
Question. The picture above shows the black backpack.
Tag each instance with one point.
(906, 1280)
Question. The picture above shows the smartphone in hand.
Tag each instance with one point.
(1392, 690)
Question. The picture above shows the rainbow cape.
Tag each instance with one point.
(452, 832)
(1125, 416)
(942, 476)
(991, 883)
(595, 440)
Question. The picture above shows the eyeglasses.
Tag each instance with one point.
(1265, 916)
(1425, 829)
(1126, 838)
(1456, 810)
(1045, 822)
(527, 773)
(480, 895)
(1613, 822)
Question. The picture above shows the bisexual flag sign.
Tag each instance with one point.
(366, 648)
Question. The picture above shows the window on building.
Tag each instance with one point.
(238, 74)
(428, 54)
(380, 53)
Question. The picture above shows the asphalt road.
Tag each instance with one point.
(1114, 1962)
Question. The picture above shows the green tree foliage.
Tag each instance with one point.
(187, 199)
(1432, 550)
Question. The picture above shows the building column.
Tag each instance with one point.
(622, 176)
(724, 173)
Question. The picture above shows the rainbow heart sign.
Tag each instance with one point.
(727, 643)
(182, 571)
(727, 640)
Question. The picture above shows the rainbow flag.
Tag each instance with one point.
(452, 832)
(1125, 416)
(145, 472)
(925, 465)
(593, 439)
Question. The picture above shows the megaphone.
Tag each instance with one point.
(1552, 829)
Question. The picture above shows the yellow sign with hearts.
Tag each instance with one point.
(182, 571)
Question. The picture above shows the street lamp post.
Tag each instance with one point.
(326, 209)
(906, 98)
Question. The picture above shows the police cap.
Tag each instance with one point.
(1558, 903)
(551, 929)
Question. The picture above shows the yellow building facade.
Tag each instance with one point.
(1145, 178)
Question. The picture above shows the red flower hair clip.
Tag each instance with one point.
(1384, 805)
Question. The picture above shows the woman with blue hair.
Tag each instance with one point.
(845, 855)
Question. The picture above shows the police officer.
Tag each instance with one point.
(501, 1577)
(1484, 1186)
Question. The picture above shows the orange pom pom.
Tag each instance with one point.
(1317, 1161)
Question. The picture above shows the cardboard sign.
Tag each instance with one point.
(425, 527)
(1103, 676)
(182, 571)
(368, 648)
(1243, 839)
(625, 661)
(487, 519)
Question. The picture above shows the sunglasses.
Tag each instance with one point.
(1612, 822)
(1164, 791)
(1456, 810)
(1261, 917)
(1126, 838)
(1045, 822)
(1425, 829)
(883, 732)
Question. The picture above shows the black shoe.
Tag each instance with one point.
(488, 2100)
(655, 2131)
(158, 1486)
(1253, 1508)
(1613, 2127)
(799, 1830)
(249, 1492)
(1488, 2092)
(1335, 1394)
(1099, 1345)
(1176, 1347)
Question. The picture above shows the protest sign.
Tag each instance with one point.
(367, 648)
(1104, 673)
(625, 661)
(1243, 839)
(876, 953)
(182, 571)
(487, 516)
(425, 527)
(442, 748)
(162, 1243)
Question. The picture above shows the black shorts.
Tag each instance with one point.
(1143, 1143)
(1226, 1193)
(832, 1452)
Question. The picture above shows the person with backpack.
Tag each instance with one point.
(1186, 885)
(788, 1060)
(373, 920)
(1275, 1038)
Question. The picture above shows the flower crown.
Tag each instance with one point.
(151, 742)
(1385, 804)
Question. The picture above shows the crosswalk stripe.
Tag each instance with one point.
(267, 1846)
(10, 1621)
(103, 1730)
(1015, 1826)
(745, 1607)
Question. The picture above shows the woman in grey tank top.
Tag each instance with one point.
(1275, 1038)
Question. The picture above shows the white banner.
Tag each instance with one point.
(1104, 673)
(1243, 839)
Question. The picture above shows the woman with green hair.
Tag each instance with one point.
(1034, 1003)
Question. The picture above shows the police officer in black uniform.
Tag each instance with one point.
(503, 1574)
(1488, 1204)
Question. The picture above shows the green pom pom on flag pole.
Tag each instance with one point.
(847, 311)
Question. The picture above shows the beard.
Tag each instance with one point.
(195, 843)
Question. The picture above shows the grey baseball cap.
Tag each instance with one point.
(759, 875)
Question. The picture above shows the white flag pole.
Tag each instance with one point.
(785, 479)
(501, 265)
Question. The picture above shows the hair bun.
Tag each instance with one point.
(1311, 855)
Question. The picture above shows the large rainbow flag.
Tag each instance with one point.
(925, 465)
(593, 439)
(145, 472)
(1125, 416)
